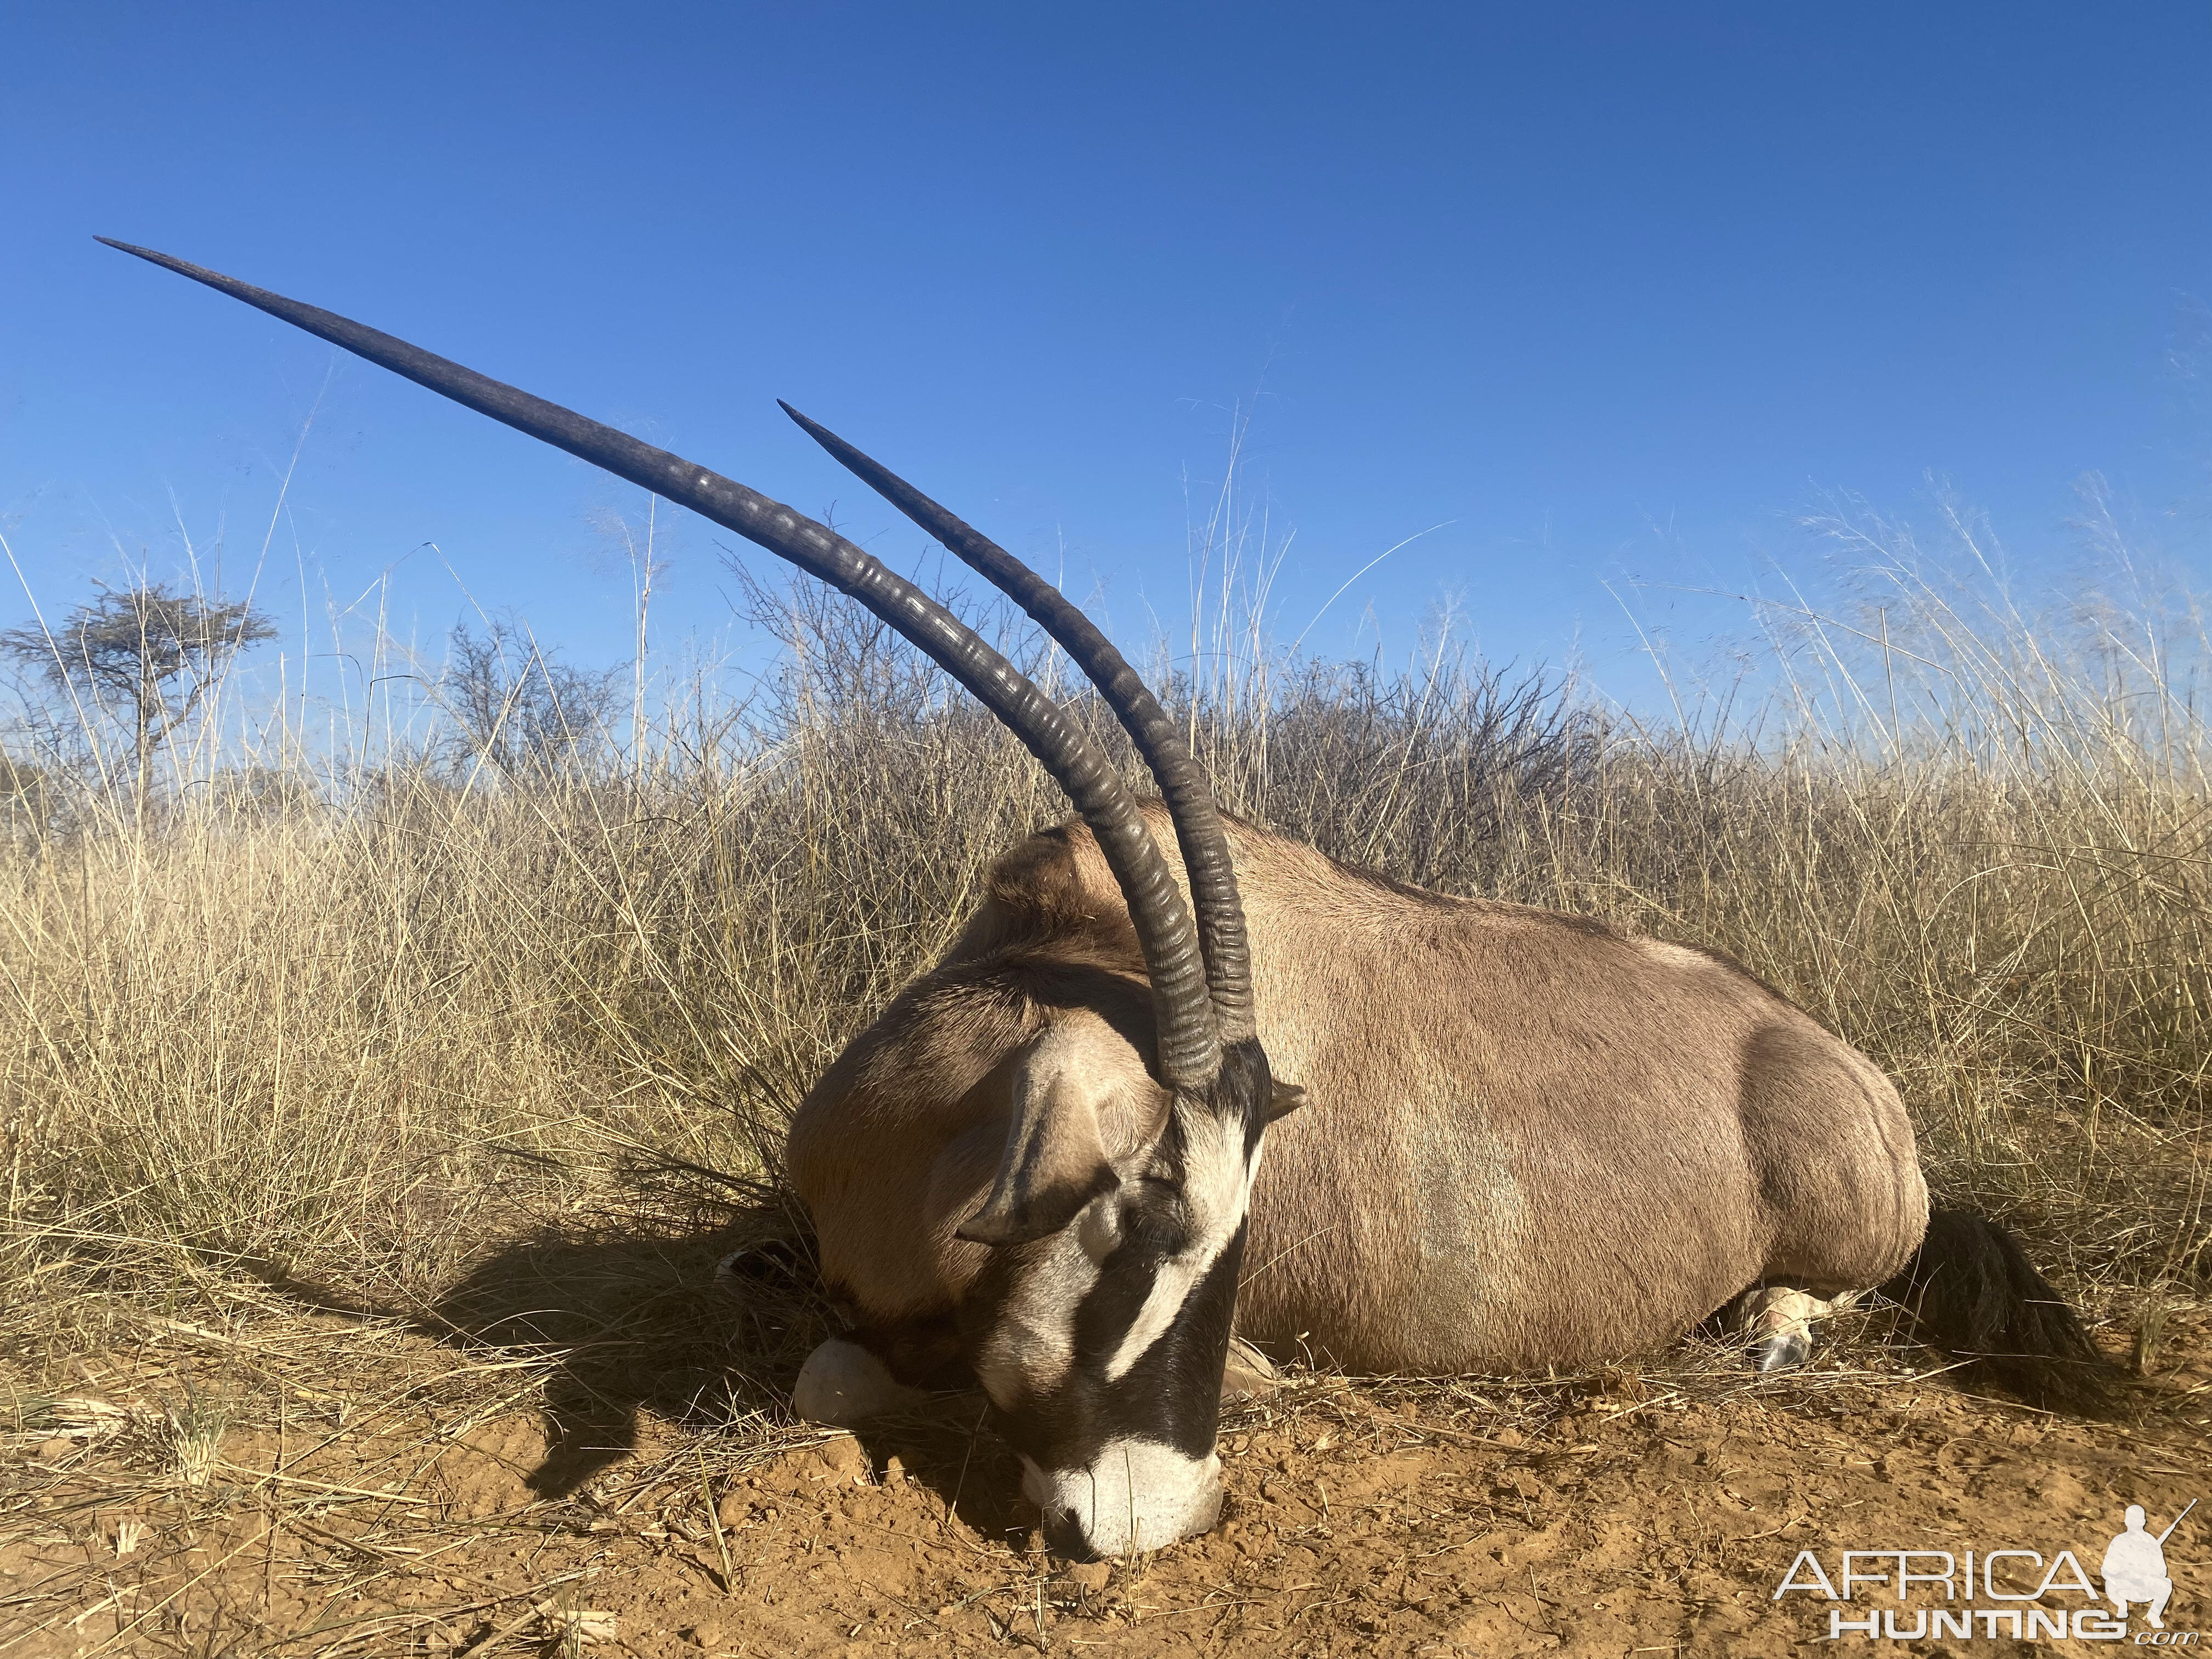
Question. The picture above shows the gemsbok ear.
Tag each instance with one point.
(1289, 1097)
(1055, 1160)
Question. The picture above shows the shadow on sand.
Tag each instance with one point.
(630, 1324)
(634, 1324)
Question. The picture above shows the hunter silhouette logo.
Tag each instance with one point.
(2134, 1567)
(1912, 1594)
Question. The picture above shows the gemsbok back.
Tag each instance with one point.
(1527, 1140)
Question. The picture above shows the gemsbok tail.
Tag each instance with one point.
(1973, 1291)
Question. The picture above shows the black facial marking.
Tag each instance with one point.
(1153, 1229)
(1172, 1394)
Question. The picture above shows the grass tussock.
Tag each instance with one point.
(335, 1023)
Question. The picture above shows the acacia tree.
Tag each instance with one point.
(516, 708)
(147, 657)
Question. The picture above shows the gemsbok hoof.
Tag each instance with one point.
(843, 1385)
(1779, 1352)
(1779, 1323)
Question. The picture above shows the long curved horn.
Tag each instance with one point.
(1183, 782)
(1189, 1047)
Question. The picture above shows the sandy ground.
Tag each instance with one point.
(349, 1486)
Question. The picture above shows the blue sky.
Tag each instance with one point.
(1614, 290)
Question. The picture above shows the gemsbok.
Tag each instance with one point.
(1528, 1139)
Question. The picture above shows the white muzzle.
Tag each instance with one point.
(1138, 1495)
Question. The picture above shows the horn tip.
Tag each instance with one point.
(847, 455)
(152, 256)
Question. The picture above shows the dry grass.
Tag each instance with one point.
(489, 1054)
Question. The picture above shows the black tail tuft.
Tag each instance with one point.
(1973, 1291)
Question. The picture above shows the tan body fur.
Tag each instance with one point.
(1531, 1140)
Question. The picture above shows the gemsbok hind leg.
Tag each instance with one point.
(1838, 1176)
(1779, 1320)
